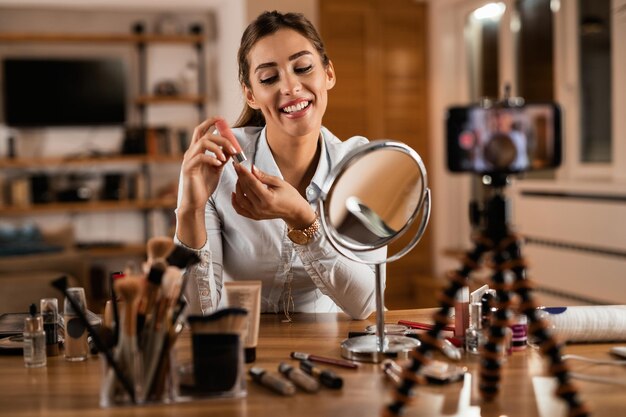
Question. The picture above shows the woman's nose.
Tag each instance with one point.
(290, 84)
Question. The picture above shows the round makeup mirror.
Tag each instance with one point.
(370, 199)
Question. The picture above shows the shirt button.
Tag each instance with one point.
(204, 293)
(310, 192)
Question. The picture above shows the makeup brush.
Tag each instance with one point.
(114, 306)
(61, 285)
(129, 290)
(226, 320)
(182, 257)
(152, 288)
(159, 248)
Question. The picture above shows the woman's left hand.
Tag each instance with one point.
(260, 196)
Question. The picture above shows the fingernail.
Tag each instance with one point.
(233, 150)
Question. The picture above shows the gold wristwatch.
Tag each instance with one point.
(302, 237)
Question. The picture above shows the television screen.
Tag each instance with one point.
(64, 92)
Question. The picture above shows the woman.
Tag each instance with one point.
(260, 223)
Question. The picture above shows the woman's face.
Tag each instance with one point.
(289, 83)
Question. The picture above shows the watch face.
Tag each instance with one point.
(298, 236)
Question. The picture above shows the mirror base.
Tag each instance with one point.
(365, 348)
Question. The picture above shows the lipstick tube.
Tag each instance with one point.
(224, 130)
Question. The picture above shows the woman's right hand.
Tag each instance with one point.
(200, 170)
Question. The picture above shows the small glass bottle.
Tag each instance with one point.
(474, 335)
(34, 340)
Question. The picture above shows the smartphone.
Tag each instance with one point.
(504, 140)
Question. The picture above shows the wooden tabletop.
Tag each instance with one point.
(71, 389)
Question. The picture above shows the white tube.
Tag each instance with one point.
(247, 294)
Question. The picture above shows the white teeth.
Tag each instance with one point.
(296, 107)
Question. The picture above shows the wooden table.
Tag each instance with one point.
(71, 389)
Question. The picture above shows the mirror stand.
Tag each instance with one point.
(363, 209)
(375, 348)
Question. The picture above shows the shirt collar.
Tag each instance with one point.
(264, 159)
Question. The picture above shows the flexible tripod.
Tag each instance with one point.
(494, 236)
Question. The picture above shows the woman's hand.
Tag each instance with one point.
(201, 171)
(260, 196)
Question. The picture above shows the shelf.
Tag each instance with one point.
(98, 37)
(114, 251)
(88, 160)
(90, 206)
(181, 99)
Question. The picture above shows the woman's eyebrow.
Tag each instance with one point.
(290, 58)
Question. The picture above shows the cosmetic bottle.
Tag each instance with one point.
(76, 345)
(474, 335)
(49, 308)
(34, 340)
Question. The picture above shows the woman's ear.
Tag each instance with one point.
(249, 95)
(330, 75)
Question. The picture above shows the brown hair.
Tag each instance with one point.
(268, 23)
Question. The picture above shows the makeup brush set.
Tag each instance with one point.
(140, 326)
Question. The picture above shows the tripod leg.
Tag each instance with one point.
(430, 340)
(493, 351)
(538, 328)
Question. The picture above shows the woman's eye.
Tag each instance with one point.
(303, 70)
(268, 80)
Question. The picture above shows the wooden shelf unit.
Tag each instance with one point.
(89, 206)
(142, 100)
(77, 161)
(51, 37)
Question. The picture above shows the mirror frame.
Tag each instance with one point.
(345, 246)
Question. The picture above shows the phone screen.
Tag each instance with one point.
(504, 139)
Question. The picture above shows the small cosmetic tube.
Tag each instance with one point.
(273, 382)
(461, 312)
(76, 345)
(49, 308)
(247, 295)
(326, 377)
(299, 378)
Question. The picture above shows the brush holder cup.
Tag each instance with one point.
(216, 368)
(162, 388)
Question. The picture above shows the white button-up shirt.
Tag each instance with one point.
(315, 276)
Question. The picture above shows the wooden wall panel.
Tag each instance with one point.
(379, 52)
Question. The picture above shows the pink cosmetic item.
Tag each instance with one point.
(224, 130)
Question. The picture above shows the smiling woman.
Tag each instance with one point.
(258, 220)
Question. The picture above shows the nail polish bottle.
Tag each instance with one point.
(34, 340)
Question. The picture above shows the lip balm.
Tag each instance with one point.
(224, 130)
